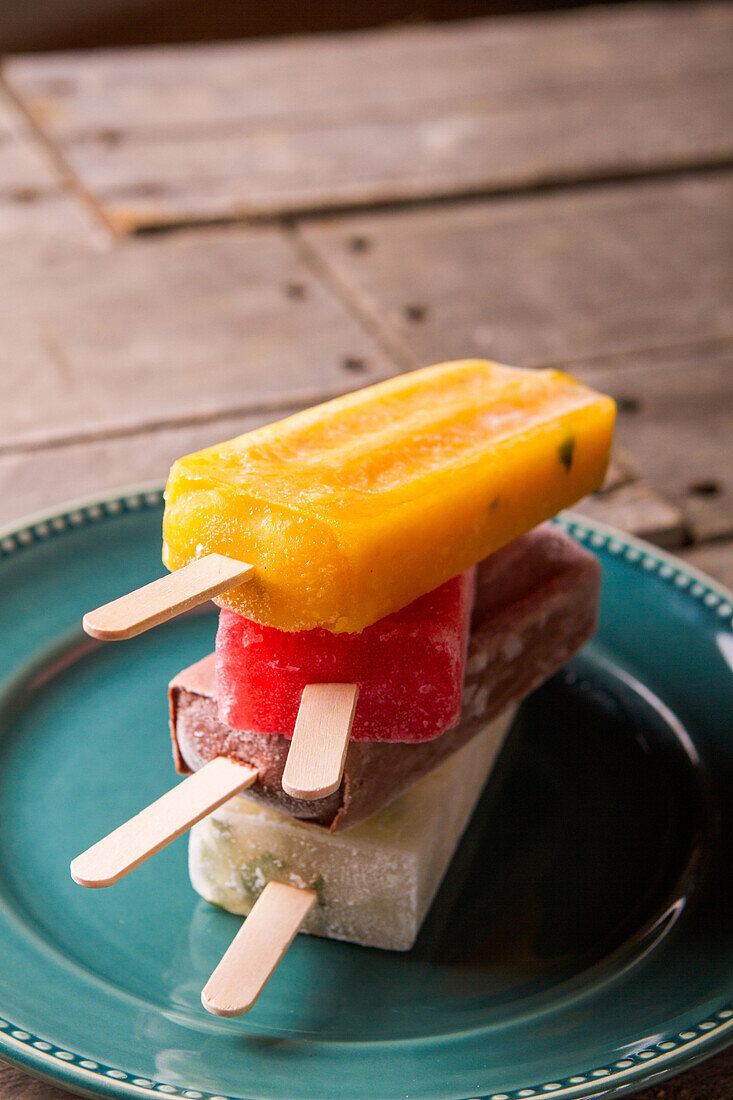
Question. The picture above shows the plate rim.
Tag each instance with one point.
(670, 1055)
(155, 487)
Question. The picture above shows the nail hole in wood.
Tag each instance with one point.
(415, 313)
(354, 364)
(296, 291)
(147, 189)
(706, 487)
(359, 244)
(24, 194)
(109, 137)
(627, 404)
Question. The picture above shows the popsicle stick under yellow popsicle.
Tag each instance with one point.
(257, 949)
(170, 595)
(110, 859)
(317, 753)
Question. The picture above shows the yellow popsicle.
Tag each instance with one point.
(352, 509)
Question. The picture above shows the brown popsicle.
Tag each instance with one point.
(536, 604)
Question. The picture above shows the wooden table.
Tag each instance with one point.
(196, 240)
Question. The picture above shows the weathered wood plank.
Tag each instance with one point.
(163, 137)
(36, 235)
(553, 278)
(99, 338)
(594, 282)
(15, 1084)
(278, 169)
(36, 238)
(640, 510)
(362, 75)
(31, 481)
(627, 502)
(25, 170)
(716, 559)
(676, 417)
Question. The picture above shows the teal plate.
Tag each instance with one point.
(581, 944)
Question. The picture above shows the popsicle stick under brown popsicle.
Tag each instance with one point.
(317, 753)
(256, 950)
(316, 761)
(170, 595)
(111, 858)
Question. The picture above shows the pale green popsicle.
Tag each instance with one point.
(375, 881)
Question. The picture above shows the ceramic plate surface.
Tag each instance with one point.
(581, 945)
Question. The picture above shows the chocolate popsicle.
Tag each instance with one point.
(536, 604)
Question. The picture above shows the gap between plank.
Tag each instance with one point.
(69, 183)
(281, 407)
(355, 302)
(711, 166)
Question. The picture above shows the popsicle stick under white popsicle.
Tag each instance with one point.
(170, 595)
(257, 949)
(110, 859)
(317, 753)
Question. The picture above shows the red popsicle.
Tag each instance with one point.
(409, 667)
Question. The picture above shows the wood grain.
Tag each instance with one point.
(274, 170)
(715, 559)
(315, 762)
(43, 477)
(676, 417)
(257, 949)
(550, 279)
(26, 172)
(115, 855)
(80, 94)
(627, 287)
(641, 511)
(16, 1084)
(164, 137)
(100, 339)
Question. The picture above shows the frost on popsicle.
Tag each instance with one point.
(439, 468)
(375, 881)
(408, 666)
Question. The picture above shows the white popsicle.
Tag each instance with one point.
(376, 881)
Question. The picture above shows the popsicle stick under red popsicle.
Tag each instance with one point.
(170, 595)
(110, 859)
(316, 759)
(256, 950)
(317, 753)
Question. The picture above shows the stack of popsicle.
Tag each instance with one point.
(365, 669)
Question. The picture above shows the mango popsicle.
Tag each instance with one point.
(353, 509)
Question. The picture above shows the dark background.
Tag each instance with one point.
(75, 24)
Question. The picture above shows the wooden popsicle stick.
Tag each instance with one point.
(317, 753)
(163, 599)
(257, 948)
(110, 859)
